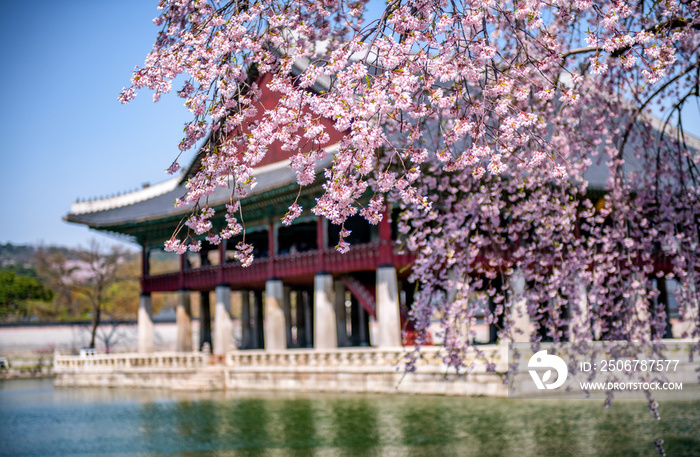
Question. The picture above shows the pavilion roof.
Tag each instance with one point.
(135, 213)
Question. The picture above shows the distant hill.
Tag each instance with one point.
(24, 256)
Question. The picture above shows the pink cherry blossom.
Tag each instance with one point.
(515, 138)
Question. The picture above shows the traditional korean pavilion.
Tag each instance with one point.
(296, 292)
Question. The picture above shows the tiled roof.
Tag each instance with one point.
(160, 206)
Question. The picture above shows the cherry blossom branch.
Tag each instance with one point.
(488, 124)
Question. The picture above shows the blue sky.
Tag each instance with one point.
(64, 134)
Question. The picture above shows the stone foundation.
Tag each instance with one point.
(361, 370)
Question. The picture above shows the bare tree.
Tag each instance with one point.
(56, 271)
(112, 333)
(99, 272)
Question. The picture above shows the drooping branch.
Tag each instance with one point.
(642, 106)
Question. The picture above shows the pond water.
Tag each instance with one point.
(37, 419)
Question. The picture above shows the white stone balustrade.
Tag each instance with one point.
(370, 369)
(121, 362)
(356, 360)
(364, 370)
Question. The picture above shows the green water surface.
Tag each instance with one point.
(37, 419)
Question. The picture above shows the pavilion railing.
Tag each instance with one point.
(364, 256)
(129, 361)
(340, 360)
(358, 360)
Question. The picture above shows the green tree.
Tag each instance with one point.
(17, 294)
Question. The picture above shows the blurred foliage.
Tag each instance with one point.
(78, 284)
(19, 295)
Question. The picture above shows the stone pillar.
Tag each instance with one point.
(340, 314)
(275, 325)
(687, 326)
(145, 324)
(223, 327)
(325, 333)
(299, 319)
(287, 308)
(246, 330)
(663, 303)
(388, 317)
(362, 324)
(259, 333)
(580, 327)
(205, 321)
(222, 262)
(355, 311)
(638, 327)
(308, 319)
(498, 320)
(183, 318)
(518, 313)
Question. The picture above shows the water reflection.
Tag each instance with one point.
(36, 419)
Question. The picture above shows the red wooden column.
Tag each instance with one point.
(385, 247)
(271, 249)
(144, 260)
(181, 276)
(274, 330)
(144, 267)
(321, 242)
(322, 330)
(145, 329)
(183, 311)
(222, 261)
(387, 293)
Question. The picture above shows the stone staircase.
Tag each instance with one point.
(363, 294)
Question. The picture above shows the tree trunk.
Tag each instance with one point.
(95, 322)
